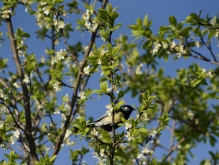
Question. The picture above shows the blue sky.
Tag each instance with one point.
(158, 11)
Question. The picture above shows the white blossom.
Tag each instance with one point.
(209, 74)
(86, 70)
(93, 27)
(53, 60)
(67, 106)
(165, 45)
(82, 95)
(46, 10)
(157, 46)
(67, 134)
(109, 107)
(66, 98)
(56, 42)
(67, 62)
(99, 61)
(102, 152)
(198, 44)
(61, 54)
(42, 59)
(138, 69)
(217, 34)
(94, 132)
(144, 117)
(16, 85)
(145, 150)
(6, 13)
(69, 143)
(172, 44)
(59, 24)
(52, 125)
(86, 17)
(63, 116)
(2, 95)
(56, 111)
(57, 86)
(153, 133)
(14, 137)
(128, 135)
(103, 39)
(1, 124)
(128, 125)
(109, 89)
(26, 79)
(179, 146)
(46, 149)
(139, 155)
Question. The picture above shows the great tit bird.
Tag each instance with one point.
(105, 121)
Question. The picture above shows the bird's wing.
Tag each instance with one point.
(101, 118)
(96, 121)
(105, 115)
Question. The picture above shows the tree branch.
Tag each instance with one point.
(201, 57)
(76, 88)
(26, 103)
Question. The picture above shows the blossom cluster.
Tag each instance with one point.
(88, 24)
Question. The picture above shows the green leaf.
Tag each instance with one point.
(104, 86)
(211, 34)
(104, 60)
(5, 7)
(115, 50)
(195, 82)
(119, 104)
(109, 8)
(213, 140)
(121, 94)
(53, 158)
(173, 21)
(142, 129)
(116, 27)
(186, 31)
(103, 14)
(145, 22)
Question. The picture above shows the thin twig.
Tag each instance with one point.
(201, 57)
(69, 49)
(12, 115)
(76, 87)
(172, 137)
(173, 149)
(209, 48)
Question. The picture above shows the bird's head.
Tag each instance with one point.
(126, 110)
